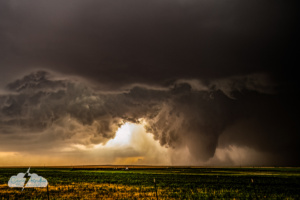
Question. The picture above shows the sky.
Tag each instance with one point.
(160, 82)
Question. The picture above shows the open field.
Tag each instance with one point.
(107, 182)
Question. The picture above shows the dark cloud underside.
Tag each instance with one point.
(60, 112)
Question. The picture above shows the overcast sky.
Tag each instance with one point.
(200, 82)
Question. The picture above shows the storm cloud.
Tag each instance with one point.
(123, 42)
(203, 75)
(42, 110)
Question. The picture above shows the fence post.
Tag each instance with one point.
(47, 192)
(155, 189)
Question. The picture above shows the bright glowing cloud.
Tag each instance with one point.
(123, 136)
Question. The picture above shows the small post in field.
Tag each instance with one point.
(155, 188)
(47, 192)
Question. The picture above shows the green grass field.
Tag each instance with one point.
(171, 183)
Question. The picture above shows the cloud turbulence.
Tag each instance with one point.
(203, 75)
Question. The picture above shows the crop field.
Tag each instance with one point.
(170, 183)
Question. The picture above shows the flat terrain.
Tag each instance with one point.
(114, 182)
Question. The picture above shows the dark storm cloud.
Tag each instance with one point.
(56, 110)
(42, 110)
(123, 42)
